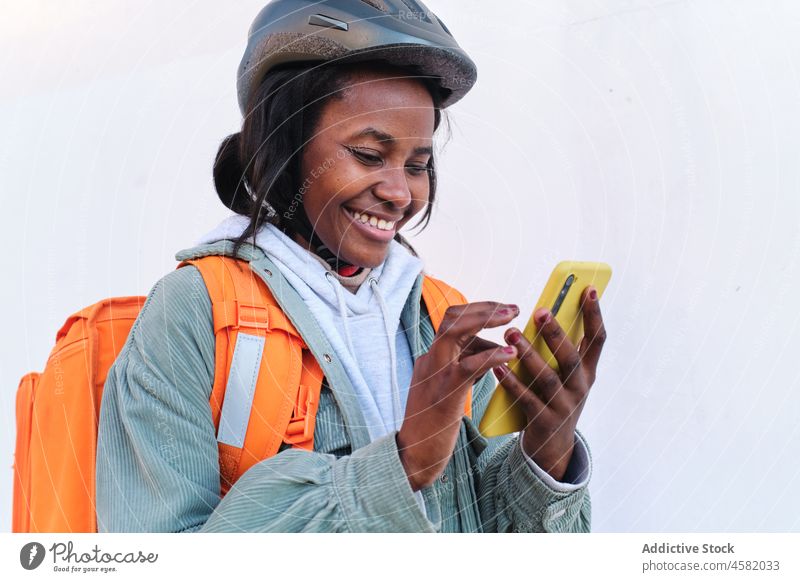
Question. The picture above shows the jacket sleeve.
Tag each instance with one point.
(157, 456)
(515, 495)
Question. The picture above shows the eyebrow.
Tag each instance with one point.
(382, 136)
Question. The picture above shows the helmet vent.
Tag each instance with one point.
(326, 22)
(444, 27)
(377, 4)
(418, 11)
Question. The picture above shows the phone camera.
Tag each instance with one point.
(562, 295)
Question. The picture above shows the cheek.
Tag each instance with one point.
(348, 176)
(323, 199)
(335, 187)
(322, 175)
(321, 190)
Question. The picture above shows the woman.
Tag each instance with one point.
(341, 101)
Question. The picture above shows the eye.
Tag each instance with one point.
(417, 170)
(368, 157)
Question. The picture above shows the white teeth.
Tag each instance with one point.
(379, 223)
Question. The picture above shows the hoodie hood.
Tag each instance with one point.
(363, 327)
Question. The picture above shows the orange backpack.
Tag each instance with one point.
(58, 409)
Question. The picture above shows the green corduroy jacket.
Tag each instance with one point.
(157, 456)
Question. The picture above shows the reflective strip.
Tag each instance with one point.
(240, 389)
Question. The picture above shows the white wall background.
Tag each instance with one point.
(667, 132)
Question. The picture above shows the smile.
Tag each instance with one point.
(373, 221)
(372, 226)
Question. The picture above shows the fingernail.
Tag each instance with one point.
(509, 349)
(514, 337)
(499, 371)
(593, 295)
(508, 310)
(543, 317)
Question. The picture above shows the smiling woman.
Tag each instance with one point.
(301, 372)
(358, 208)
(365, 145)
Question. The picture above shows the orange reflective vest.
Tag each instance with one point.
(58, 409)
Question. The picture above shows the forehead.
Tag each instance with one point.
(399, 106)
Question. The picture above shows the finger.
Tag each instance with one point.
(477, 365)
(522, 395)
(476, 345)
(461, 322)
(458, 318)
(566, 354)
(541, 377)
(594, 332)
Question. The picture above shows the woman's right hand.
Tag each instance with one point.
(440, 383)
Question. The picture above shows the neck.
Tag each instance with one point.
(335, 264)
(301, 241)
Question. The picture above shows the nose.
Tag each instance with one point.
(393, 187)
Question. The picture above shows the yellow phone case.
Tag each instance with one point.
(502, 415)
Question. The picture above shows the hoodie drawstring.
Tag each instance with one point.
(390, 337)
(337, 289)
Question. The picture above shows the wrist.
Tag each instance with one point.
(411, 474)
(555, 463)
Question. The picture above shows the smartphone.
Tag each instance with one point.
(562, 295)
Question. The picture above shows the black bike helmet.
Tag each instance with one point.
(403, 33)
(400, 32)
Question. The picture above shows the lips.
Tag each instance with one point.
(370, 225)
(377, 215)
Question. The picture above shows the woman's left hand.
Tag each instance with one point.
(553, 400)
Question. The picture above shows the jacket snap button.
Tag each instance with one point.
(328, 358)
(443, 478)
(269, 273)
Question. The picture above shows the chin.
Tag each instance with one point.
(368, 259)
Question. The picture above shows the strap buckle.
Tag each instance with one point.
(300, 430)
(252, 316)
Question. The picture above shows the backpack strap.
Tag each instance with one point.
(257, 403)
(438, 296)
